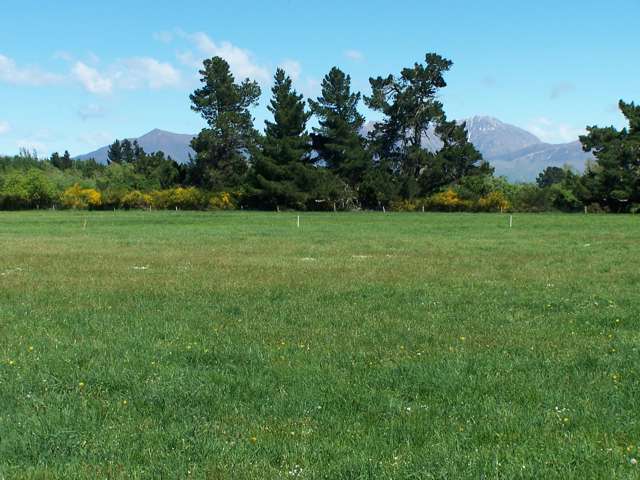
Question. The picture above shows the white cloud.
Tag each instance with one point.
(92, 80)
(146, 72)
(554, 132)
(292, 68)
(355, 55)
(33, 76)
(4, 127)
(240, 60)
(129, 73)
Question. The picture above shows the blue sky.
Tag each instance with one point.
(75, 75)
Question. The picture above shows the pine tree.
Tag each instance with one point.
(56, 160)
(66, 162)
(114, 154)
(614, 181)
(458, 158)
(223, 149)
(127, 151)
(337, 141)
(284, 175)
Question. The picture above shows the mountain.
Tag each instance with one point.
(519, 155)
(175, 145)
(525, 164)
(495, 138)
(515, 153)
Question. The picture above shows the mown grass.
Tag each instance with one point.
(234, 345)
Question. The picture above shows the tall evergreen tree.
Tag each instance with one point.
(412, 112)
(114, 154)
(222, 149)
(284, 175)
(66, 162)
(458, 158)
(127, 151)
(338, 141)
(615, 179)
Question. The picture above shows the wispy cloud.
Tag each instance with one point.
(148, 72)
(13, 74)
(560, 89)
(4, 127)
(241, 61)
(293, 68)
(92, 80)
(355, 55)
(554, 132)
(91, 110)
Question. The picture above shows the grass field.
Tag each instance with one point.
(365, 345)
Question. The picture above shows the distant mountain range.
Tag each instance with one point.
(514, 152)
(519, 155)
(175, 145)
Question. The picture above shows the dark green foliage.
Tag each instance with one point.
(338, 142)
(284, 174)
(127, 151)
(411, 112)
(458, 158)
(614, 181)
(379, 187)
(114, 155)
(63, 163)
(550, 176)
(222, 149)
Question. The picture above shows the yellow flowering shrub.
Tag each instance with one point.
(135, 199)
(448, 200)
(81, 198)
(404, 206)
(183, 198)
(494, 201)
(222, 201)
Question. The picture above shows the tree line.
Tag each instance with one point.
(336, 165)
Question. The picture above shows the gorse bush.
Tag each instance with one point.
(81, 198)
(448, 201)
(223, 201)
(190, 198)
(136, 199)
(493, 202)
